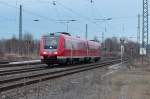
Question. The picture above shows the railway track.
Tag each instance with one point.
(8, 64)
(15, 82)
(18, 65)
(24, 68)
(28, 69)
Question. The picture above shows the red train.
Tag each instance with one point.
(61, 48)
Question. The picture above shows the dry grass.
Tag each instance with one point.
(133, 83)
(17, 57)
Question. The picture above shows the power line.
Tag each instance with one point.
(44, 17)
(72, 11)
(76, 13)
(27, 11)
(124, 17)
(59, 13)
(20, 23)
(94, 8)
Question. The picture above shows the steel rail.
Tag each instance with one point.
(24, 70)
(17, 71)
(35, 63)
(27, 80)
(47, 73)
(18, 65)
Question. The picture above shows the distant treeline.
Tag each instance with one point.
(30, 46)
(26, 46)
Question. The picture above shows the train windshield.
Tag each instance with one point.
(50, 42)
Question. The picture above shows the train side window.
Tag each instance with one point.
(68, 44)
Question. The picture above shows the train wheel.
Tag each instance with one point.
(62, 64)
(96, 59)
(50, 65)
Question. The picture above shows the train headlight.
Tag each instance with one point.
(56, 53)
(44, 52)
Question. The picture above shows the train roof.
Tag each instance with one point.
(68, 35)
(57, 34)
(83, 40)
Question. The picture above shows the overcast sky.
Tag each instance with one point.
(49, 13)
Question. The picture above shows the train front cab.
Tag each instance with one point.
(48, 49)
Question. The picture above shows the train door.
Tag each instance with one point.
(69, 50)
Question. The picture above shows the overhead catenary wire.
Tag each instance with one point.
(88, 20)
(35, 14)
(60, 13)
(76, 13)
(124, 17)
(91, 20)
(29, 12)
(79, 15)
(72, 11)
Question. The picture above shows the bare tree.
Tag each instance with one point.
(22, 47)
(112, 44)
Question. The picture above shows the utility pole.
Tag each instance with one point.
(122, 49)
(20, 29)
(144, 29)
(20, 23)
(86, 32)
(105, 30)
(145, 24)
(138, 34)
